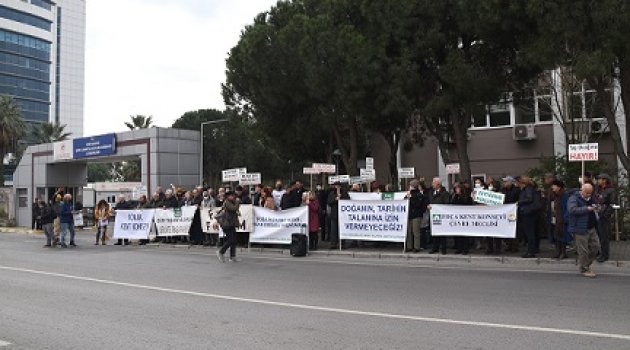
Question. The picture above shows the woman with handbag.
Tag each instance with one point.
(227, 218)
(101, 214)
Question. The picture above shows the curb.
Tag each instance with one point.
(416, 258)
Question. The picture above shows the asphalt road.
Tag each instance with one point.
(171, 298)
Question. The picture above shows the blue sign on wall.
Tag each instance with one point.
(94, 146)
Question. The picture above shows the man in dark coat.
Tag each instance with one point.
(338, 193)
(606, 198)
(438, 195)
(417, 207)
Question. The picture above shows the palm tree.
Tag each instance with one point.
(48, 132)
(12, 128)
(139, 122)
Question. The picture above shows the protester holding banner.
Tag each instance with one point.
(512, 193)
(461, 197)
(123, 204)
(529, 206)
(337, 193)
(101, 217)
(417, 206)
(229, 223)
(439, 195)
(278, 193)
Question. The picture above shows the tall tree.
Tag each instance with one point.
(12, 128)
(139, 122)
(48, 132)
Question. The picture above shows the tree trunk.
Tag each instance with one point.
(393, 140)
(348, 145)
(460, 135)
(615, 132)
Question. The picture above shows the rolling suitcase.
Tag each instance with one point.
(299, 244)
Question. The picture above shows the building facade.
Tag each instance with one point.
(42, 60)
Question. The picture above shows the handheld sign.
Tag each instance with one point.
(452, 169)
(325, 168)
(368, 174)
(406, 173)
(369, 163)
(250, 179)
(584, 152)
(488, 197)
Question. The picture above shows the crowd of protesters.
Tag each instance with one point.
(571, 219)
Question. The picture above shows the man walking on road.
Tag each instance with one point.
(582, 224)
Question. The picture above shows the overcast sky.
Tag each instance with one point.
(158, 57)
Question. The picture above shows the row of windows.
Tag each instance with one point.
(24, 40)
(25, 62)
(24, 72)
(18, 92)
(24, 83)
(25, 18)
(33, 106)
(45, 4)
(30, 116)
(24, 51)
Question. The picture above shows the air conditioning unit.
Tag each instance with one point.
(599, 126)
(524, 132)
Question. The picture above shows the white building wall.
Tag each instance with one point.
(72, 66)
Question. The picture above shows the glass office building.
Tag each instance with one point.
(42, 59)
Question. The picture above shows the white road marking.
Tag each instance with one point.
(625, 337)
(4, 343)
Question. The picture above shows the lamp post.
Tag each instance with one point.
(201, 147)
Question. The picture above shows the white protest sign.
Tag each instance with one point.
(357, 180)
(344, 179)
(584, 152)
(368, 174)
(174, 221)
(473, 220)
(333, 179)
(250, 179)
(488, 197)
(406, 173)
(78, 219)
(245, 217)
(231, 175)
(310, 171)
(276, 227)
(133, 224)
(369, 163)
(63, 150)
(364, 196)
(452, 169)
(325, 168)
(373, 220)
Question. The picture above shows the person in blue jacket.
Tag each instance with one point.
(583, 211)
(66, 220)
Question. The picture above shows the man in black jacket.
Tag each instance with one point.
(336, 194)
(46, 218)
(417, 207)
(438, 195)
(123, 204)
(607, 198)
(511, 192)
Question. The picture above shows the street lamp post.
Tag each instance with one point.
(201, 147)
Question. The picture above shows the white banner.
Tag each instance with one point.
(78, 219)
(373, 220)
(246, 218)
(174, 221)
(276, 227)
(310, 171)
(474, 220)
(133, 224)
(325, 168)
(232, 175)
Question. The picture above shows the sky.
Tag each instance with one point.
(158, 57)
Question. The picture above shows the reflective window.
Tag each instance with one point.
(42, 3)
(24, 45)
(25, 18)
